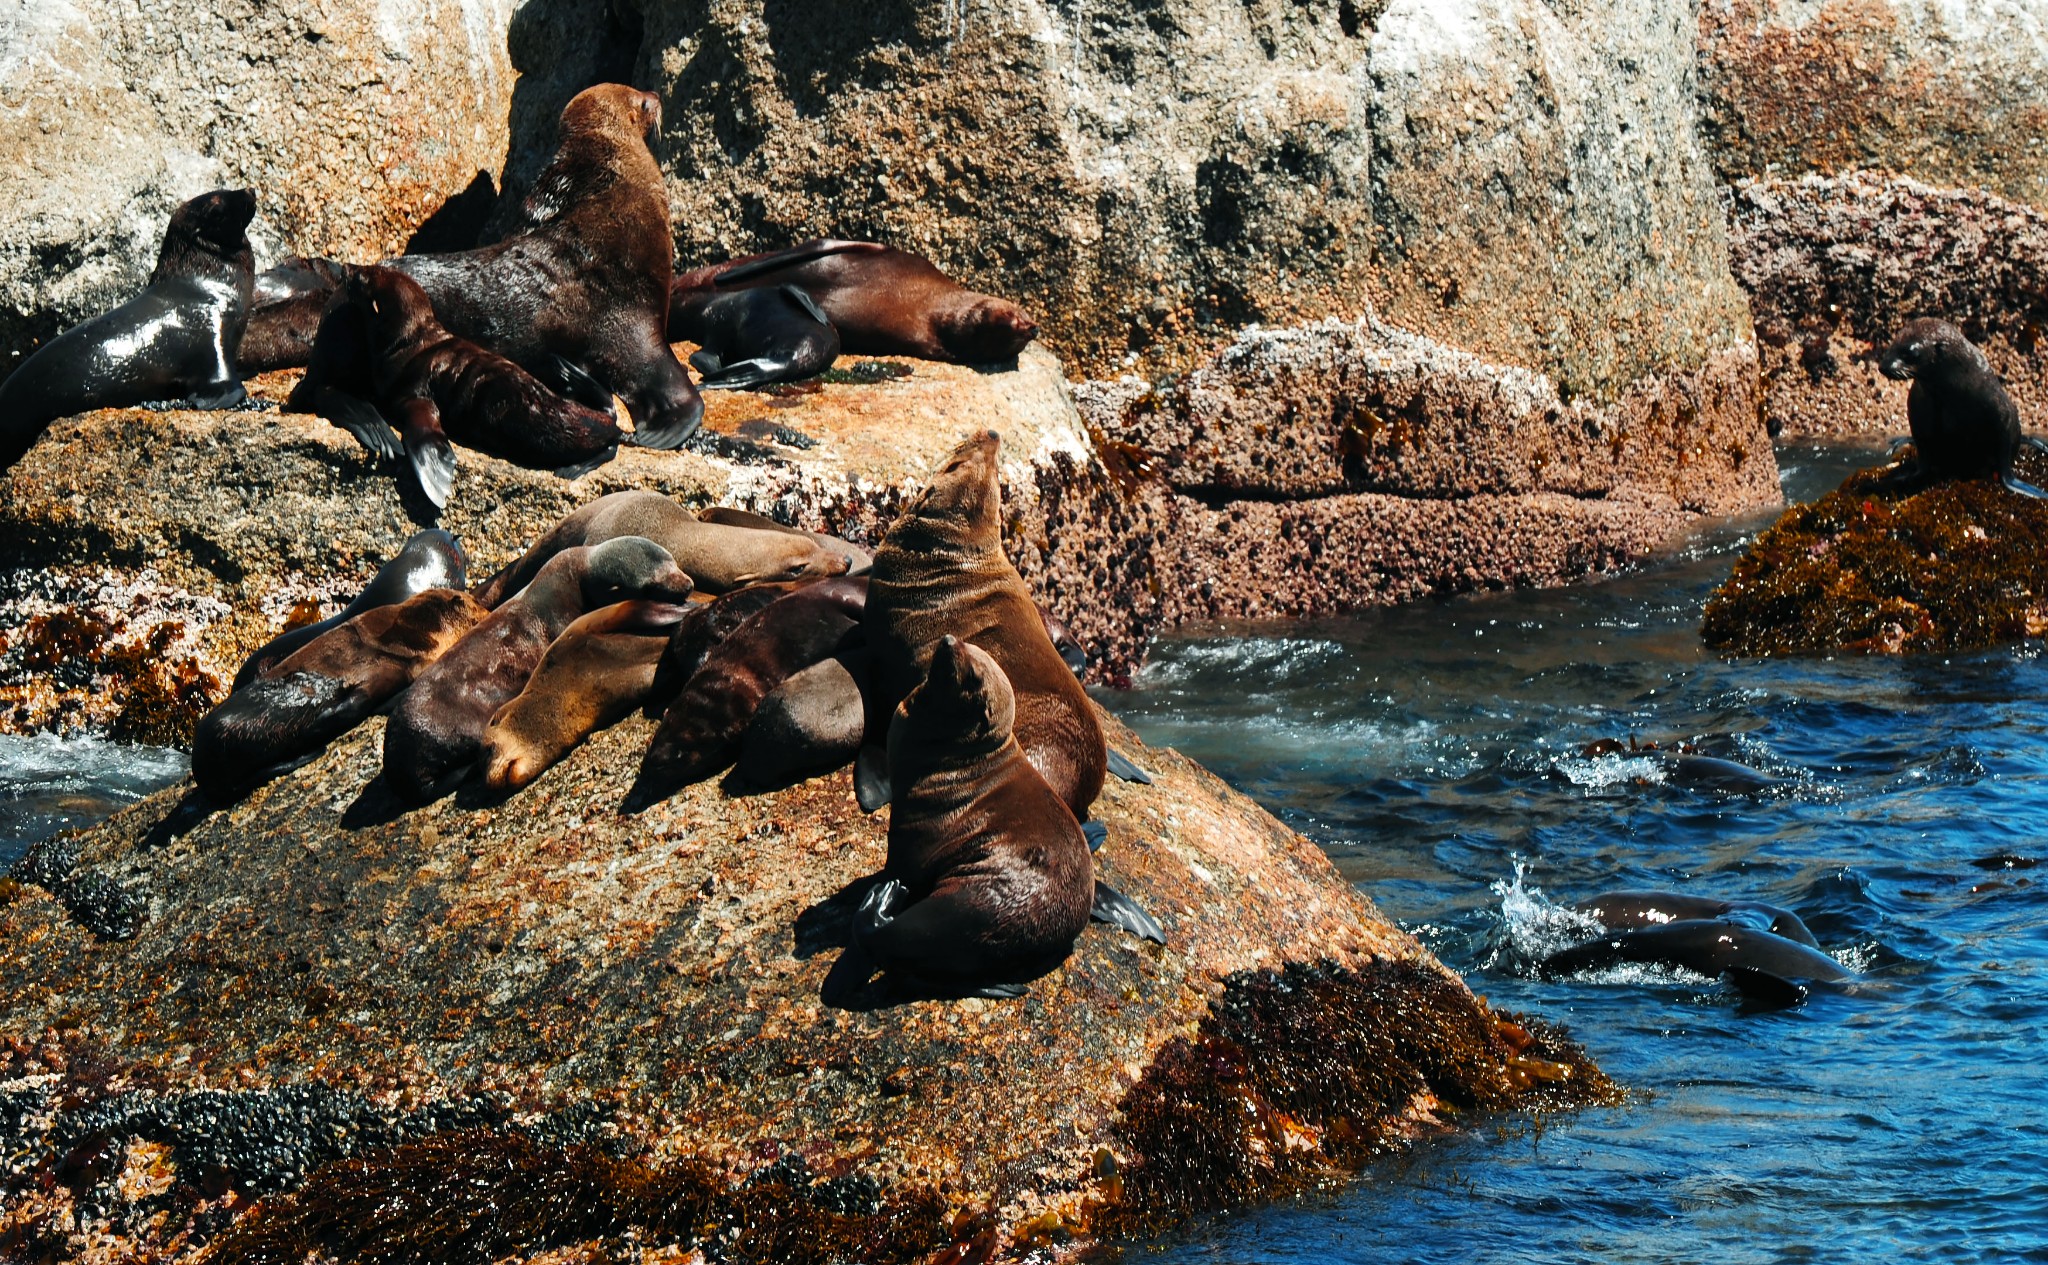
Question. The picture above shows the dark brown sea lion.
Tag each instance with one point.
(325, 688)
(1964, 424)
(173, 342)
(284, 315)
(719, 558)
(883, 301)
(989, 880)
(858, 560)
(942, 570)
(590, 678)
(754, 337)
(702, 628)
(437, 729)
(809, 725)
(588, 280)
(700, 734)
(430, 560)
(1625, 911)
(381, 344)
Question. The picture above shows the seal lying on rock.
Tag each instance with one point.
(858, 560)
(589, 280)
(1964, 424)
(325, 688)
(284, 315)
(883, 301)
(172, 342)
(436, 732)
(755, 337)
(430, 560)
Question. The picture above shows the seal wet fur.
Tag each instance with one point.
(173, 341)
(284, 315)
(1964, 424)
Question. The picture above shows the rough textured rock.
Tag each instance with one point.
(353, 123)
(551, 1022)
(1956, 567)
(1947, 93)
(1835, 266)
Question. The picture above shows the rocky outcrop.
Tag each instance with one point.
(1949, 94)
(1834, 267)
(355, 125)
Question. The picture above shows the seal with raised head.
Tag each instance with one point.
(989, 880)
(284, 314)
(718, 557)
(588, 278)
(325, 688)
(941, 570)
(883, 301)
(381, 345)
(430, 560)
(174, 341)
(437, 730)
(590, 678)
(1964, 424)
(754, 337)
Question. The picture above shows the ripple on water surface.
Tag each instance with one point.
(49, 784)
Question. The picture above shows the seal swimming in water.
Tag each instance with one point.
(754, 337)
(587, 279)
(1625, 911)
(431, 559)
(437, 729)
(1964, 424)
(1765, 967)
(883, 301)
(173, 341)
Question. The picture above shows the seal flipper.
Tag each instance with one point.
(582, 468)
(705, 363)
(358, 417)
(428, 451)
(742, 375)
(871, 777)
(2035, 442)
(1121, 765)
(217, 396)
(802, 253)
(1764, 990)
(1096, 834)
(672, 434)
(802, 298)
(1112, 906)
(572, 381)
(2013, 483)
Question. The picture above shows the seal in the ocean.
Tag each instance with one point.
(942, 570)
(700, 733)
(284, 314)
(1627, 910)
(174, 341)
(590, 678)
(718, 557)
(1964, 424)
(430, 560)
(436, 731)
(325, 688)
(588, 278)
(1764, 967)
(753, 337)
(883, 301)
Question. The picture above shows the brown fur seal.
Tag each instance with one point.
(325, 688)
(430, 560)
(754, 337)
(883, 301)
(597, 671)
(700, 733)
(174, 341)
(858, 560)
(1964, 424)
(989, 881)
(588, 279)
(381, 345)
(1626, 911)
(718, 558)
(284, 314)
(941, 570)
(809, 725)
(700, 631)
(437, 729)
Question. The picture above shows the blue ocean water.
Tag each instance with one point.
(1435, 751)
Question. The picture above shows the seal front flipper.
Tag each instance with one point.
(1764, 991)
(1096, 834)
(572, 381)
(427, 450)
(217, 397)
(706, 363)
(2013, 483)
(871, 777)
(1120, 765)
(582, 468)
(358, 417)
(801, 253)
(744, 375)
(1112, 906)
(673, 431)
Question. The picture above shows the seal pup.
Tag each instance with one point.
(173, 341)
(284, 314)
(1627, 910)
(719, 558)
(588, 279)
(1964, 424)
(883, 301)
(942, 570)
(431, 559)
(590, 678)
(989, 880)
(434, 387)
(700, 733)
(754, 337)
(325, 688)
(437, 729)
(858, 560)
(1764, 967)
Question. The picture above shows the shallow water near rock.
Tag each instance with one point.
(1435, 751)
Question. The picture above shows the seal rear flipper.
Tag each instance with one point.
(582, 468)
(427, 450)
(705, 363)
(742, 375)
(1112, 906)
(217, 396)
(1096, 834)
(572, 381)
(1763, 990)
(871, 777)
(2013, 483)
(1121, 765)
(2035, 442)
(672, 433)
(802, 253)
